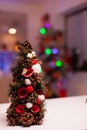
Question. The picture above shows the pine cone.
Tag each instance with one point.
(13, 95)
(35, 79)
(11, 121)
(26, 63)
(26, 119)
(12, 113)
(39, 118)
(27, 45)
(12, 117)
(32, 98)
(38, 77)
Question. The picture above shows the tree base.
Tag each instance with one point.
(26, 119)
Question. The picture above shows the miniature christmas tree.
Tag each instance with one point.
(27, 92)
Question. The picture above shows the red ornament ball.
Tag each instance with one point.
(19, 109)
(38, 101)
(22, 92)
(35, 109)
(30, 89)
(34, 62)
(62, 93)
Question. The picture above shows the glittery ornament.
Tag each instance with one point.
(41, 97)
(28, 105)
(22, 92)
(36, 68)
(27, 82)
(33, 52)
(29, 55)
(19, 109)
(30, 89)
(35, 109)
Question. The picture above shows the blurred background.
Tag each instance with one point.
(57, 30)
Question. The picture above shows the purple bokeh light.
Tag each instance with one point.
(47, 25)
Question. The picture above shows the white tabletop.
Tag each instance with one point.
(62, 114)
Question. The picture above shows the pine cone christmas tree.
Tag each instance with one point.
(27, 92)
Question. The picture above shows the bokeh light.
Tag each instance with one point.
(48, 51)
(47, 25)
(58, 63)
(41, 71)
(54, 51)
(42, 31)
(12, 31)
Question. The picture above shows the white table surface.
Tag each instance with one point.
(62, 114)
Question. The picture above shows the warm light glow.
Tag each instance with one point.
(12, 30)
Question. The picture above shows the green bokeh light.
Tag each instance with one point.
(41, 71)
(48, 51)
(42, 31)
(58, 63)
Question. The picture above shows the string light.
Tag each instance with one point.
(12, 31)
(48, 51)
(42, 31)
(55, 51)
(52, 64)
(47, 25)
(58, 63)
(41, 71)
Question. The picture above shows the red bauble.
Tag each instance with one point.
(34, 62)
(19, 109)
(22, 92)
(30, 89)
(62, 93)
(29, 72)
(35, 109)
(38, 101)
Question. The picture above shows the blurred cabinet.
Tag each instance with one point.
(76, 32)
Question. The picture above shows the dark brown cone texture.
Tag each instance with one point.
(26, 119)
